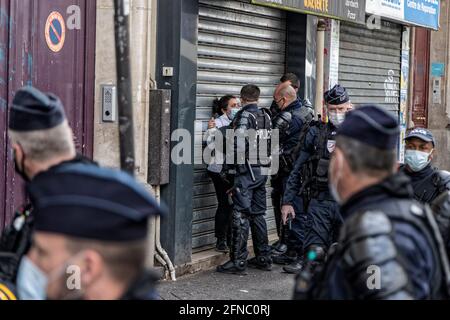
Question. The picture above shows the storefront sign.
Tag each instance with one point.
(348, 10)
(424, 13)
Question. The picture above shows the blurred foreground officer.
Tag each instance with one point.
(389, 245)
(42, 141)
(89, 242)
(428, 182)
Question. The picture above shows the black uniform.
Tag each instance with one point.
(249, 193)
(386, 228)
(428, 183)
(389, 245)
(310, 179)
(289, 123)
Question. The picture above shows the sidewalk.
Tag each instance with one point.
(199, 281)
(210, 285)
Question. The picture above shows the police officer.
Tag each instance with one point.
(251, 126)
(42, 141)
(90, 236)
(289, 122)
(428, 182)
(389, 246)
(309, 178)
(291, 79)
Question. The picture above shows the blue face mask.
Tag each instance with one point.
(233, 113)
(31, 281)
(417, 160)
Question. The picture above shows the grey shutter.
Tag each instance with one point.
(370, 64)
(238, 44)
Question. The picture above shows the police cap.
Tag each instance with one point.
(88, 202)
(337, 95)
(373, 126)
(422, 134)
(34, 110)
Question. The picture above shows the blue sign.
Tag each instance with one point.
(423, 12)
(437, 69)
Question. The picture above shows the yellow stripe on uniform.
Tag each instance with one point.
(6, 294)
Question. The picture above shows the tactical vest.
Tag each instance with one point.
(315, 171)
(366, 240)
(262, 141)
(282, 122)
(431, 187)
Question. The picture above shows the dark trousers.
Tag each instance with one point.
(250, 205)
(295, 237)
(324, 223)
(224, 208)
(278, 184)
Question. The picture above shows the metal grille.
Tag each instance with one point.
(370, 64)
(238, 44)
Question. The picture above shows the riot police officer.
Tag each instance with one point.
(309, 179)
(428, 182)
(289, 122)
(91, 226)
(252, 127)
(389, 245)
(42, 141)
(291, 79)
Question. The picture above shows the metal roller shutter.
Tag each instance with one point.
(238, 44)
(370, 64)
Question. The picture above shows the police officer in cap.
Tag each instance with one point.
(389, 246)
(252, 128)
(89, 242)
(42, 141)
(309, 179)
(428, 182)
(289, 123)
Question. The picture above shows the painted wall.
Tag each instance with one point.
(439, 113)
(142, 30)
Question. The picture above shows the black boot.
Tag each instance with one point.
(279, 249)
(221, 245)
(233, 267)
(262, 263)
(295, 267)
(284, 259)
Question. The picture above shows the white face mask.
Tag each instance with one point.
(31, 281)
(336, 118)
(417, 160)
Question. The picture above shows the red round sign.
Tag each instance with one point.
(55, 31)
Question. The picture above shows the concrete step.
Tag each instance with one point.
(210, 259)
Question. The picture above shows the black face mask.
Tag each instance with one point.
(274, 108)
(20, 170)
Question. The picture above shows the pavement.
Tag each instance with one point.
(211, 285)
